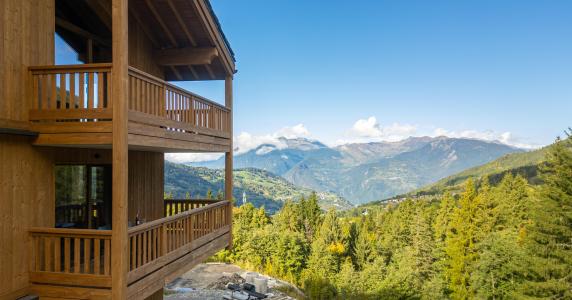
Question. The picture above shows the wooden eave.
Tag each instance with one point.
(176, 25)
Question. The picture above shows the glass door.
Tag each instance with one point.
(83, 196)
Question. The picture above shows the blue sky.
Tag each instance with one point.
(346, 71)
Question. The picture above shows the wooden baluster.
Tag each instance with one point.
(38, 254)
(90, 86)
(133, 252)
(96, 256)
(139, 252)
(73, 100)
(57, 254)
(163, 238)
(162, 103)
(48, 254)
(100, 103)
(82, 103)
(36, 92)
(76, 255)
(63, 101)
(86, 255)
(144, 246)
(108, 93)
(107, 257)
(44, 91)
(137, 101)
(53, 91)
(152, 245)
(131, 94)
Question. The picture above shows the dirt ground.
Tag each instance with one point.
(208, 281)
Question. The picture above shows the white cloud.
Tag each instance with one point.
(295, 131)
(488, 135)
(370, 130)
(245, 142)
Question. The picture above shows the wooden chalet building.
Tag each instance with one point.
(82, 209)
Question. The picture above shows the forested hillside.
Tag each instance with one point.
(511, 240)
(525, 164)
(260, 187)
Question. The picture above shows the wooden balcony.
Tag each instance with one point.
(78, 261)
(72, 105)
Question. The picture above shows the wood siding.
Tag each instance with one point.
(141, 50)
(27, 38)
(26, 200)
(145, 185)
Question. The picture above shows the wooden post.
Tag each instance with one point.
(120, 152)
(228, 155)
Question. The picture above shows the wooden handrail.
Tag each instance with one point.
(39, 69)
(69, 232)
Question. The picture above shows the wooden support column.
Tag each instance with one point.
(228, 155)
(119, 94)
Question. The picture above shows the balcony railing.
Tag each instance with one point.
(82, 257)
(178, 109)
(82, 93)
(157, 243)
(71, 256)
(71, 93)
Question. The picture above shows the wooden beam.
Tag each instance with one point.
(162, 23)
(144, 27)
(101, 11)
(182, 23)
(177, 74)
(228, 164)
(80, 31)
(214, 35)
(119, 96)
(185, 56)
(194, 72)
(210, 71)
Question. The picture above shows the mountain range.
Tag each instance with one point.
(364, 172)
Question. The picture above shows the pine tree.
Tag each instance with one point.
(311, 215)
(550, 234)
(363, 248)
(460, 243)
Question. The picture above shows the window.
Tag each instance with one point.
(83, 196)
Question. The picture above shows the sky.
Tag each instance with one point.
(360, 71)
